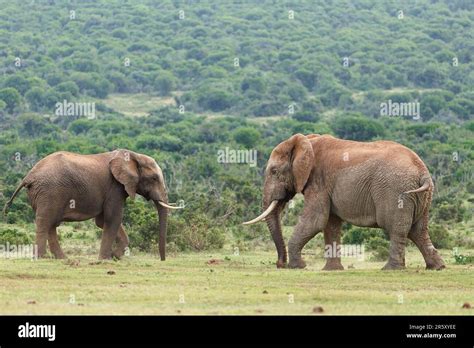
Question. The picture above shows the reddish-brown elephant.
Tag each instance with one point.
(371, 184)
(66, 186)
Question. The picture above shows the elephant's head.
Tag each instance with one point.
(287, 173)
(140, 174)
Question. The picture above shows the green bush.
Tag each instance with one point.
(306, 116)
(380, 253)
(354, 236)
(11, 97)
(247, 136)
(375, 242)
(252, 232)
(144, 237)
(357, 127)
(379, 247)
(447, 211)
(463, 259)
(439, 236)
(13, 236)
(195, 232)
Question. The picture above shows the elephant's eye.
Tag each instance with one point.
(273, 171)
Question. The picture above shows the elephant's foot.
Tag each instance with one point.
(434, 261)
(118, 253)
(333, 265)
(281, 264)
(391, 266)
(105, 256)
(296, 263)
(59, 255)
(41, 254)
(436, 265)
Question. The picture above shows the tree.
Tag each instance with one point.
(356, 127)
(215, 99)
(305, 116)
(18, 82)
(11, 97)
(35, 98)
(33, 126)
(247, 136)
(68, 86)
(307, 78)
(256, 84)
(164, 83)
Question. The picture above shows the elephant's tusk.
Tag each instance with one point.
(168, 206)
(264, 214)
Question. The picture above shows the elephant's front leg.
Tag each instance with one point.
(111, 227)
(121, 243)
(313, 220)
(332, 239)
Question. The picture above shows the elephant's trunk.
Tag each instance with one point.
(163, 216)
(274, 225)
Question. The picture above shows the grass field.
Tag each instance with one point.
(224, 283)
(139, 104)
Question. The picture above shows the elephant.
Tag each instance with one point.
(66, 186)
(380, 184)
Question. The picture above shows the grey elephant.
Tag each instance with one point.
(370, 184)
(66, 186)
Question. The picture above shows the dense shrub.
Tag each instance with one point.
(360, 235)
(379, 246)
(247, 136)
(439, 236)
(380, 253)
(357, 128)
(196, 232)
(14, 236)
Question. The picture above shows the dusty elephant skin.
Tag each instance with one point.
(376, 184)
(66, 186)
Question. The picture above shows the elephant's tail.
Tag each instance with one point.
(10, 201)
(427, 183)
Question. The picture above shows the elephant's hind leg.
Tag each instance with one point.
(419, 235)
(48, 215)
(398, 240)
(332, 239)
(43, 226)
(54, 246)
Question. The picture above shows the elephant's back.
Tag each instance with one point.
(401, 154)
(384, 153)
(61, 166)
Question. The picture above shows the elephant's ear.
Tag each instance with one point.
(303, 160)
(125, 171)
